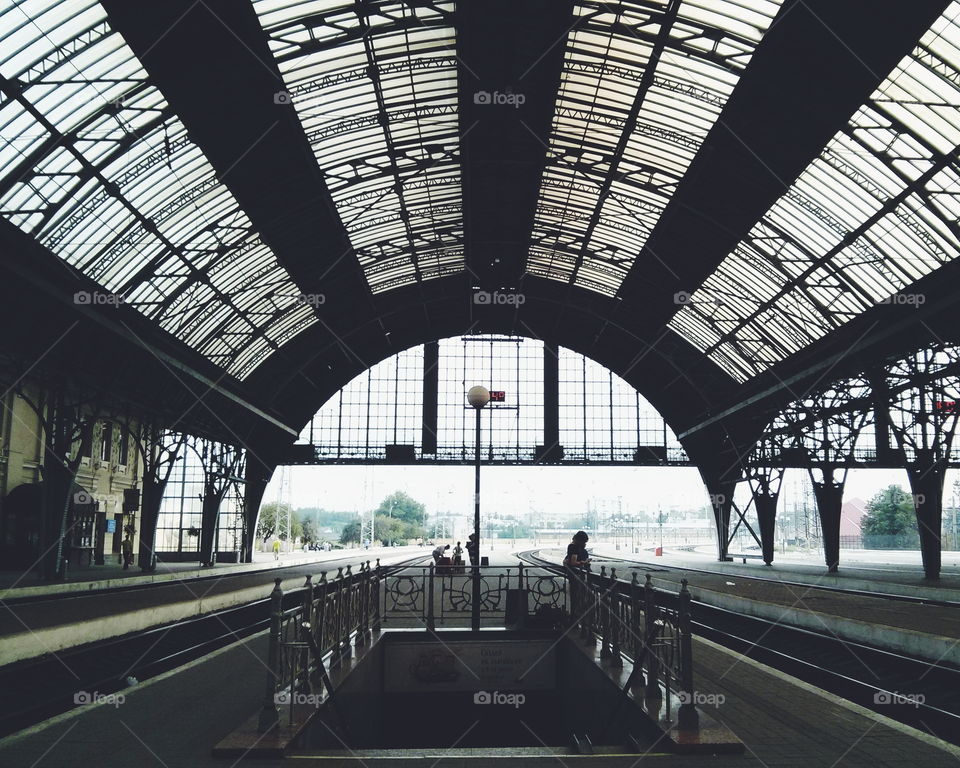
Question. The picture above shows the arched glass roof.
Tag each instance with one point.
(375, 88)
(643, 83)
(99, 170)
(876, 211)
(95, 165)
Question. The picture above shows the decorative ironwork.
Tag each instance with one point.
(318, 631)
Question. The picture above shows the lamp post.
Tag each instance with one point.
(478, 397)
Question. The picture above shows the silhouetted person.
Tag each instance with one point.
(577, 556)
(126, 549)
(472, 550)
(439, 552)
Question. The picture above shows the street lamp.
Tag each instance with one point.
(478, 397)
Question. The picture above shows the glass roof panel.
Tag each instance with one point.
(633, 110)
(874, 213)
(375, 88)
(98, 170)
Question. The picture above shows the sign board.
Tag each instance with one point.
(111, 526)
(497, 396)
(472, 665)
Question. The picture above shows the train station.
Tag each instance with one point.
(432, 383)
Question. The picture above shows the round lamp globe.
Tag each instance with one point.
(478, 396)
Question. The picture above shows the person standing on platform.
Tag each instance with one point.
(472, 551)
(457, 554)
(126, 549)
(276, 549)
(577, 556)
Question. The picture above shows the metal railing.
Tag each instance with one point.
(649, 625)
(443, 596)
(332, 614)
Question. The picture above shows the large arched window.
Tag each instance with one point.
(558, 407)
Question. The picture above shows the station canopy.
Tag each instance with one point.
(100, 169)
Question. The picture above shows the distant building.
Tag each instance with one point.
(851, 519)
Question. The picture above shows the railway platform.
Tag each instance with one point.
(45, 623)
(176, 719)
(864, 606)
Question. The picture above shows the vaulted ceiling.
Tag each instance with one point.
(243, 203)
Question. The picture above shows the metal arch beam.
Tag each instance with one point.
(33, 265)
(669, 373)
(91, 171)
(842, 354)
(367, 8)
(216, 70)
(766, 136)
(939, 162)
(504, 149)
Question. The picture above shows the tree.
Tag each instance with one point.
(324, 518)
(350, 533)
(309, 531)
(890, 520)
(273, 517)
(400, 506)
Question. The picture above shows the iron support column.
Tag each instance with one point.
(766, 504)
(721, 501)
(926, 482)
(829, 496)
(257, 476)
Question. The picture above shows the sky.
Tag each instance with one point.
(526, 491)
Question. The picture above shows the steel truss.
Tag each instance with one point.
(901, 414)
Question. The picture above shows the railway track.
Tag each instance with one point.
(912, 691)
(40, 688)
(799, 584)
